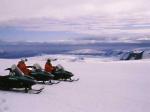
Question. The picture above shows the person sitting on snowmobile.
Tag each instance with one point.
(22, 66)
(48, 67)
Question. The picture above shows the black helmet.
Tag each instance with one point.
(49, 60)
(24, 60)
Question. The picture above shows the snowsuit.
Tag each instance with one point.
(22, 66)
(49, 68)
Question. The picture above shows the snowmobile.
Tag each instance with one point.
(41, 76)
(60, 74)
(16, 81)
(63, 75)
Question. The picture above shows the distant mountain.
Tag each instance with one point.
(29, 49)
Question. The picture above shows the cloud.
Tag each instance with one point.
(81, 16)
(21, 9)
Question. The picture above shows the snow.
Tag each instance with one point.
(104, 86)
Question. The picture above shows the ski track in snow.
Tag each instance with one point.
(113, 86)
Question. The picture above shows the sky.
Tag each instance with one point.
(85, 17)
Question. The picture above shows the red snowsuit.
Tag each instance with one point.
(49, 68)
(22, 66)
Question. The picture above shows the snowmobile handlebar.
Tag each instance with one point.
(30, 66)
(8, 69)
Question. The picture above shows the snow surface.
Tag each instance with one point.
(104, 86)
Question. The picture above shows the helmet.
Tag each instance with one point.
(24, 60)
(49, 59)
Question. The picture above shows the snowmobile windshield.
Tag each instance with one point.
(37, 67)
(16, 70)
(59, 66)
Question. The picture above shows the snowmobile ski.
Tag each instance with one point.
(34, 91)
(38, 89)
(31, 91)
(70, 80)
(53, 82)
(49, 83)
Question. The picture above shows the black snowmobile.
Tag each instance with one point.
(16, 81)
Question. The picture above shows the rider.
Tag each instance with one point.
(22, 66)
(48, 66)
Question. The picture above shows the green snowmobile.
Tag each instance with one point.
(16, 80)
(41, 76)
(59, 74)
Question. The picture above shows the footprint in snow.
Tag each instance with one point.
(3, 106)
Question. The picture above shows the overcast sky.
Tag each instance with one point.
(22, 9)
(96, 17)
